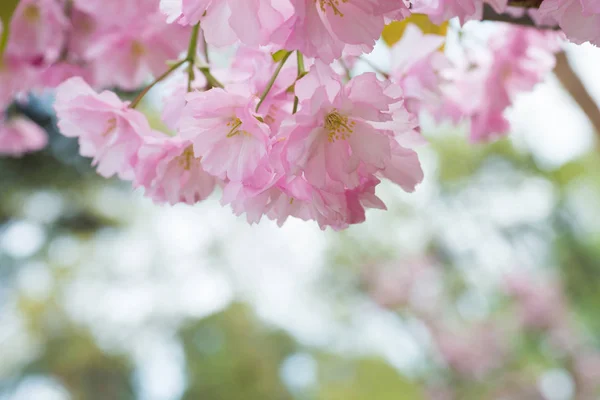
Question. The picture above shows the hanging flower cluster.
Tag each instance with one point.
(286, 129)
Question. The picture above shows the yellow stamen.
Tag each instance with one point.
(110, 128)
(32, 13)
(235, 123)
(338, 126)
(187, 159)
(137, 49)
(334, 4)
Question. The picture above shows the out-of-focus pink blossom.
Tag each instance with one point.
(413, 283)
(473, 353)
(128, 56)
(443, 10)
(416, 66)
(116, 12)
(58, 73)
(19, 135)
(15, 77)
(586, 366)
(540, 302)
(38, 31)
(517, 60)
(439, 392)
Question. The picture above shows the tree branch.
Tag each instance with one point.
(525, 3)
(571, 82)
(490, 15)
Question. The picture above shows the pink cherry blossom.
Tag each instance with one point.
(362, 197)
(579, 19)
(173, 102)
(518, 59)
(298, 180)
(439, 11)
(57, 73)
(253, 69)
(116, 12)
(284, 138)
(226, 133)
(170, 173)
(15, 77)
(84, 30)
(323, 29)
(442, 10)
(336, 138)
(417, 65)
(338, 210)
(269, 191)
(108, 130)
(256, 194)
(19, 135)
(226, 21)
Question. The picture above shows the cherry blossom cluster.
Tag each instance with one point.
(286, 129)
(107, 43)
(579, 19)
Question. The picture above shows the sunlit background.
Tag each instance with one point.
(484, 284)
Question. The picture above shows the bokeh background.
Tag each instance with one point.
(484, 284)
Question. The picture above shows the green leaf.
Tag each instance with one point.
(278, 56)
(394, 31)
(7, 9)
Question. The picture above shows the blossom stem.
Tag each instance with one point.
(140, 96)
(301, 68)
(272, 80)
(190, 60)
(212, 81)
(346, 69)
(301, 72)
(376, 68)
(191, 56)
(206, 55)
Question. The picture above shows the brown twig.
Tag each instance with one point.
(525, 3)
(573, 84)
(490, 15)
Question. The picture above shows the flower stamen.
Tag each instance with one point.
(110, 128)
(187, 159)
(235, 123)
(338, 126)
(334, 4)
